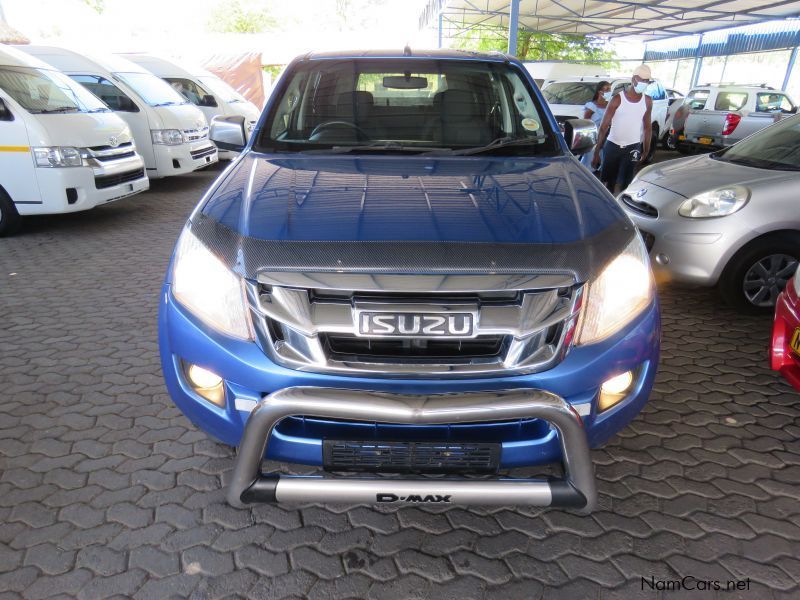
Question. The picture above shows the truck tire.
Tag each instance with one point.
(756, 274)
(10, 220)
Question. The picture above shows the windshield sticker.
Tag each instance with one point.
(530, 124)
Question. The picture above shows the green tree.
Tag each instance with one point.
(96, 5)
(538, 46)
(241, 16)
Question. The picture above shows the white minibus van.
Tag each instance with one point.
(61, 149)
(171, 134)
(203, 89)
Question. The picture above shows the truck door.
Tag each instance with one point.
(17, 171)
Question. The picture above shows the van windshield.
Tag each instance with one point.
(154, 91)
(44, 91)
(221, 89)
(407, 105)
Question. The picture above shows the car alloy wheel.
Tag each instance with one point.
(766, 279)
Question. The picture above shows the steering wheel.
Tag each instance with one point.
(322, 127)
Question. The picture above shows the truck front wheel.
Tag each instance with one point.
(10, 220)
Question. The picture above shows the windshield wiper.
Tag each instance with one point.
(58, 109)
(170, 103)
(503, 142)
(375, 147)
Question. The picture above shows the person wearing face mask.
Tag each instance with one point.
(594, 110)
(625, 131)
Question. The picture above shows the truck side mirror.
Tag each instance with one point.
(581, 135)
(208, 100)
(5, 113)
(228, 133)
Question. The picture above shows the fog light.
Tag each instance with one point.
(206, 383)
(614, 390)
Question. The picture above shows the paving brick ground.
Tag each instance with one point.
(106, 489)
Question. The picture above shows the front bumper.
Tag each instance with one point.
(681, 249)
(74, 189)
(577, 489)
(786, 323)
(183, 158)
(250, 377)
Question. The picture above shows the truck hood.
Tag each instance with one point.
(402, 198)
(81, 130)
(697, 174)
(181, 116)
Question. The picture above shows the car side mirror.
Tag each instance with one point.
(228, 133)
(580, 135)
(793, 110)
(5, 113)
(208, 100)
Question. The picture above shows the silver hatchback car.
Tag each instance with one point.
(730, 218)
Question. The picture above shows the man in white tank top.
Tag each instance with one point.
(625, 132)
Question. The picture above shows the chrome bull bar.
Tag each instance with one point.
(577, 488)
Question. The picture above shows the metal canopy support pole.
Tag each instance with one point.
(440, 30)
(789, 68)
(698, 63)
(513, 27)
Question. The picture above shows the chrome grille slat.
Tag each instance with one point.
(297, 325)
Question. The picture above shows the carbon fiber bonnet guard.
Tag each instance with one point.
(249, 256)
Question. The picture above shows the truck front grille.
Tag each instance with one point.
(107, 181)
(410, 457)
(351, 347)
(514, 331)
(202, 152)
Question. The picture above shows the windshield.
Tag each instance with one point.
(45, 91)
(154, 91)
(221, 89)
(776, 147)
(385, 105)
(569, 92)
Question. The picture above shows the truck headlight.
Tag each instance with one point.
(621, 291)
(716, 203)
(168, 137)
(211, 291)
(57, 156)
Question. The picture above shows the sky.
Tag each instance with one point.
(178, 28)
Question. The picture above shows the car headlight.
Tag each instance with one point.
(621, 291)
(211, 291)
(57, 156)
(168, 137)
(716, 203)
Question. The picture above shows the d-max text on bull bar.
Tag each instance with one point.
(407, 273)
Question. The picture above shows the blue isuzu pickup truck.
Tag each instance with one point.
(407, 279)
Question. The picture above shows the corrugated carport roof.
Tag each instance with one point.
(641, 19)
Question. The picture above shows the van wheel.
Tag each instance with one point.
(757, 273)
(10, 220)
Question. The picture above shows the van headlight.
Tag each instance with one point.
(616, 296)
(716, 203)
(57, 156)
(211, 291)
(168, 137)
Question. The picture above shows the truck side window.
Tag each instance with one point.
(730, 100)
(696, 100)
(771, 102)
(101, 87)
